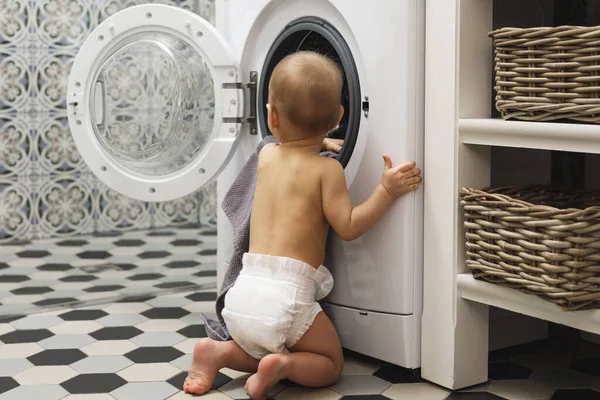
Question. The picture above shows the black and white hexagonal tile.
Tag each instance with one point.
(185, 242)
(55, 267)
(140, 346)
(508, 371)
(129, 243)
(8, 278)
(93, 383)
(54, 273)
(34, 254)
(83, 315)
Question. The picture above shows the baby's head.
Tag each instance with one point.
(304, 96)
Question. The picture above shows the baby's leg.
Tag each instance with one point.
(209, 357)
(316, 361)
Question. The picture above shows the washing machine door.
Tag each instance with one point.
(155, 102)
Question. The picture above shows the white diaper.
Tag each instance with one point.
(273, 303)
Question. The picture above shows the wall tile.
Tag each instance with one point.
(50, 77)
(16, 144)
(64, 205)
(15, 17)
(117, 212)
(53, 148)
(16, 209)
(208, 205)
(45, 187)
(105, 8)
(177, 212)
(15, 80)
(62, 24)
(204, 8)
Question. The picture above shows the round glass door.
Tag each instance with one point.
(147, 104)
(157, 110)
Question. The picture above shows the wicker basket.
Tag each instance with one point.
(541, 240)
(545, 74)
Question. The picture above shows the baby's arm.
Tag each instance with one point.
(352, 222)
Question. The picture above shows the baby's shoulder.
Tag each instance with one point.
(328, 161)
(269, 146)
(267, 152)
(329, 166)
(268, 149)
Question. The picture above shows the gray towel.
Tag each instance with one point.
(237, 205)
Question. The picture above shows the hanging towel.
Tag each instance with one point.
(237, 206)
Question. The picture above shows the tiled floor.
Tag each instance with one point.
(141, 349)
(116, 317)
(77, 271)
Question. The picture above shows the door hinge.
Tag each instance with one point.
(251, 117)
(365, 106)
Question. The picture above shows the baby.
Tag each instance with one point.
(272, 313)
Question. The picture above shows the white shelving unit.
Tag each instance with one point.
(458, 134)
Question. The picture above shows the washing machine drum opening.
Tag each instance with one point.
(153, 104)
(315, 34)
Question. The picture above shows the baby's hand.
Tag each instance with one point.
(334, 145)
(401, 179)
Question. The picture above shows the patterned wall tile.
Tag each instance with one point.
(208, 205)
(50, 78)
(204, 8)
(105, 8)
(177, 212)
(15, 17)
(16, 147)
(117, 212)
(45, 187)
(63, 206)
(190, 5)
(16, 209)
(53, 148)
(15, 79)
(62, 24)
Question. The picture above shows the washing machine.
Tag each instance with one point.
(161, 103)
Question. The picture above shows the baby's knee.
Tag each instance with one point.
(338, 367)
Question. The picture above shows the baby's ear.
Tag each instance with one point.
(273, 118)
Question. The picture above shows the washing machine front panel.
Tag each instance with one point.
(377, 279)
(155, 102)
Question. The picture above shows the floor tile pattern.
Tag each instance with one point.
(141, 349)
(53, 273)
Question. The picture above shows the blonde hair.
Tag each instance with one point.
(306, 88)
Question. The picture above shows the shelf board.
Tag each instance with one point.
(579, 138)
(513, 300)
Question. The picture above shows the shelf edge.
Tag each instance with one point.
(581, 138)
(513, 300)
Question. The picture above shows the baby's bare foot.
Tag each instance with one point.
(271, 370)
(205, 366)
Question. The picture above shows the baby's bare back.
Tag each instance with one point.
(287, 213)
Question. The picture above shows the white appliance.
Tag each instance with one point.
(161, 103)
